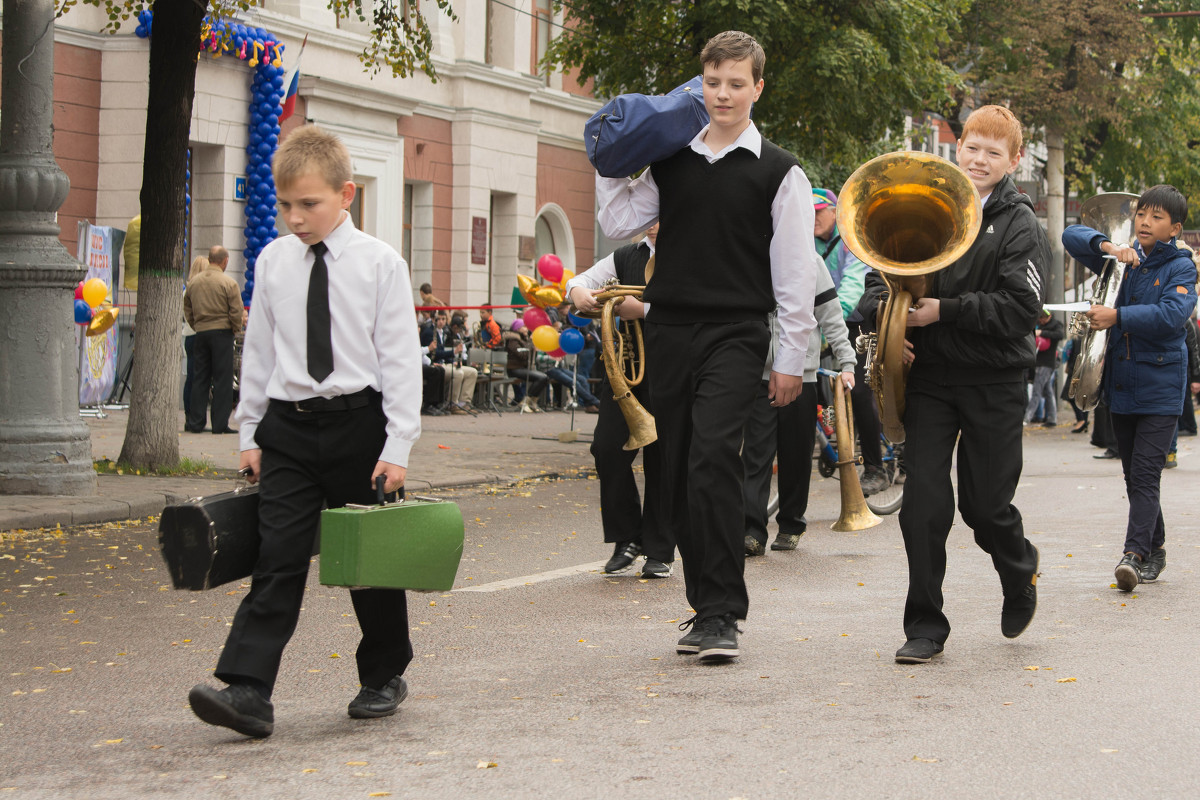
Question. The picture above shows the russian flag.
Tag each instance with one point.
(288, 104)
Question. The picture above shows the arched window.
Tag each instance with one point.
(552, 234)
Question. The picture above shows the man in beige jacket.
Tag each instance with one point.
(212, 305)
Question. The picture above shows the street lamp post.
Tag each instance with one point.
(44, 446)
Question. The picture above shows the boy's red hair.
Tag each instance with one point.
(995, 122)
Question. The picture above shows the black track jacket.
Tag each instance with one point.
(990, 299)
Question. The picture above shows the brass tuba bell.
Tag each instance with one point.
(625, 363)
(906, 214)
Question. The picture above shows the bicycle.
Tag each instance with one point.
(884, 502)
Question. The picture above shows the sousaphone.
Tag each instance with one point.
(906, 214)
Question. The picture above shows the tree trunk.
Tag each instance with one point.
(1056, 212)
(151, 438)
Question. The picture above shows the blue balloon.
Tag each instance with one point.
(571, 341)
(265, 149)
(577, 320)
(264, 234)
(83, 312)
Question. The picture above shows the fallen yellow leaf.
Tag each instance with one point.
(1065, 680)
(356, 763)
(486, 765)
(925, 760)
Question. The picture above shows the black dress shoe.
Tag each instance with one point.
(237, 706)
(1154, 565)
(227, 430)
(1081, 427)
(1019, 607)
(190, 429)
(1107, 454)
(918, 651)
(371, 703)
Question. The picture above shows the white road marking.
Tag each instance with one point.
(537, 577)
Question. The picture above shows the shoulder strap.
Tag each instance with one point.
(832, 244)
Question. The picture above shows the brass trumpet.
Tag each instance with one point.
(855, 516)
(625, 363)
(906, 214)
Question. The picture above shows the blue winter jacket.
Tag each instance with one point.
(1145, 364)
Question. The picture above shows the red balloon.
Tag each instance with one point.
(550, 267)
(559, 353)
(535, 318)
(79, 291)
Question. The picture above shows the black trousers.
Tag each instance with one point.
(787, 433)
(866, 412)
(212, 354)
(310, 460)
(624, 515)
(1143, 441)
(702, 385)
(189, 373)
(985, 421)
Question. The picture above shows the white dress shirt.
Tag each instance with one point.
(375, 341)
(603, 271)
(628, 206)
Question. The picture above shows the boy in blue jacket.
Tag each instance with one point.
(1145, 365)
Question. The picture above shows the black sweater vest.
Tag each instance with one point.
(630, 261)
(712, 260)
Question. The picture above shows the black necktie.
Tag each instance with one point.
(320, 336)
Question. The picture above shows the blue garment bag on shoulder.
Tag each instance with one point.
(632, 131)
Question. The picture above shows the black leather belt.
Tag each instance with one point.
(344, 402)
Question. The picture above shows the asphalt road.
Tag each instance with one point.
(539, 677)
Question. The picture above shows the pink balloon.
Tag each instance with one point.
(79, 291)
(550, 267)
(517, 325)
(535, 318)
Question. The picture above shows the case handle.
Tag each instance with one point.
(395, 497)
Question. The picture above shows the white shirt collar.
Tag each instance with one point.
(750, 139)
(340, 236)
(646, 241)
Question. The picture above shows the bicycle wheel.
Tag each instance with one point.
(890, 499)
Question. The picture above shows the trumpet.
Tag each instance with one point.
(625, 363)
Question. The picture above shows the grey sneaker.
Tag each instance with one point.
(1154, 565)
(874, 480)
(918, 651)
(1129, 572)
(754, 547)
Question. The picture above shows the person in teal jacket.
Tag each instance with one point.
(1145, 364)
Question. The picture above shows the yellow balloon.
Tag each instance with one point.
(545, 338)
(546, 296)
(527, 287)
(567, 275)
(94, 292)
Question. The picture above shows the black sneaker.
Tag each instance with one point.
(690, 643)
(754, 547)
(653, 568)
(238, 706)
(1129, 572)
(371, 703)
(918, 651)
(786, 541)
(1154, 565)
(719, 643)
(624, 554)
(1018, 609)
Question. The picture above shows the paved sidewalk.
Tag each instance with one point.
(452, 451)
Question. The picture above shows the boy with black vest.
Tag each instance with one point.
(970, 342)
(634, 527)
(330, 400)
(736, 240)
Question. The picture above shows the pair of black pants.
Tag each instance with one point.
(212, 352)
(310, 460)
(1143, 441)
(624, 515)
(985, 421)
(702, 384)
(787, 433)
(866, 412)
(189, 373)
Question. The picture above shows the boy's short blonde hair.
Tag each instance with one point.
(734, 46)
(995, 122)
(312, 149)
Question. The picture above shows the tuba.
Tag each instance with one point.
(1112, 215)
(906, 214)
(854, 516)
(625, 363)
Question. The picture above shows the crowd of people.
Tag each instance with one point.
(741, 261)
